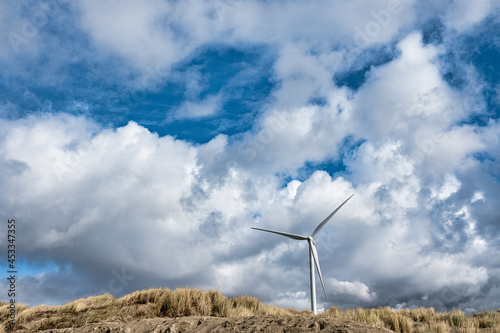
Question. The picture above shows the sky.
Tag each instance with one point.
(141, 140)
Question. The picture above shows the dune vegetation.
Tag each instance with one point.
(163, 302)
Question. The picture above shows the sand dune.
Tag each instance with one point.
(241, 324)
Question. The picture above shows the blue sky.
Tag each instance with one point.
(140, 141)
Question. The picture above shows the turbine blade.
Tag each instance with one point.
(316, 261)
(286, 234)
(322, 224)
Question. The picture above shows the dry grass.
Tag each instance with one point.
(137, 305)
(421, 320)
(163, 302)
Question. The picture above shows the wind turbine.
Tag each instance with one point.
(313, 253)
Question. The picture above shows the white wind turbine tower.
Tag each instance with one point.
(313, 253)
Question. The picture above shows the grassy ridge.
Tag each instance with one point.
(137, 305)
(194, 302)
(421, 319)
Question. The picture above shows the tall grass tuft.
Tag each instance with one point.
(439, 327)
(455, 318)
(487, 319)
(220, 304)
(420, 320)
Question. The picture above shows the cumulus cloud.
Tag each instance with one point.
(133, 34)
(150, 32)
(356, 289)
(464, 15)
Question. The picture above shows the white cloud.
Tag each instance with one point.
(477, 196)
(411, 95)
(464, 14)
(356, 289)
(450, 186)
(115, 182)
(447, 271)
(208, 106)
(285, 138)
(157, 32)
(304, 75)
(134, 32)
